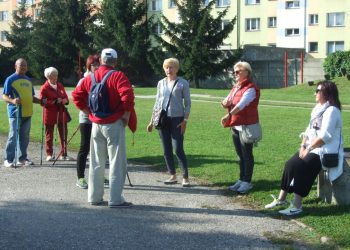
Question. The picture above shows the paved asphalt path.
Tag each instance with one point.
(41, 208)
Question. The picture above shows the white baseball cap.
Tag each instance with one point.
(109, 53)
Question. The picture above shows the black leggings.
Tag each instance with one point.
(85, 134)
(302, 172)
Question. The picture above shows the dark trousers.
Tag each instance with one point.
(171, 137)
(245, 155)
(300, 174)
(85, 135)
(49, 134)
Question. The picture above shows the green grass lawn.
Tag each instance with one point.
(284, 114)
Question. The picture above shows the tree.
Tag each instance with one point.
(20, 33)
(60, 35)
(197, 38)
(124, 27)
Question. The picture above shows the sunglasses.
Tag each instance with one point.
(237, 72)
(317, 90)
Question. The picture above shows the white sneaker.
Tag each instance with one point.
(276, 202)
(235, 186)
(8, 164)
(244, 187)
(25, 162)
(50, 158)
(291, 210)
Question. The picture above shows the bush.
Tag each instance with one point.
(337, 64)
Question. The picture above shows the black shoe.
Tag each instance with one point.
(121, 205)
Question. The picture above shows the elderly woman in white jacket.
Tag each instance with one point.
(323, 135)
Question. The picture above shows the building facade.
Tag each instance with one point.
(319, 27)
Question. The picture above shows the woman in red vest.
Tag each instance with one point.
(55, 113)
(242, 105)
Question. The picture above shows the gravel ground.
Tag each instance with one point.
(41, 208)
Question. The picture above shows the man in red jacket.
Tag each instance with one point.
(108, 133)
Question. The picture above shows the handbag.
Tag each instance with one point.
(159, 115)
(330, 160)
(251, 133)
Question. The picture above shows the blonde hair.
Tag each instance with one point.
(50, 71)
(171, 61)
(245, 66)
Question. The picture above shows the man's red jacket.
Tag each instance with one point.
(120, 93)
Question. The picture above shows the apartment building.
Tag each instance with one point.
(318, 26)
(8, 8)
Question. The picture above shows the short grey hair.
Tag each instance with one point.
(50, 71)
(245, 66)
(108, 61)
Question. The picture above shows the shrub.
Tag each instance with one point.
(337, 64)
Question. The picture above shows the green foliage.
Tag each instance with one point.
(20, 33)
(337, 64)
(123, 27)
(59, 35)
(197, 38)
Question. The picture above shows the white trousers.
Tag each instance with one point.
(107, 140)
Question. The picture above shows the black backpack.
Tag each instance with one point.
(98, 96)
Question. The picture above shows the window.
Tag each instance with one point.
(335, 19)
(292, 32)
(37, 12)
(251, 2)
(205, 2)
(272, 22)
(27, 1)
(313, 47)
(222, 3)
(224, 23)
(158, 28)
(252, 24)
(334, 46)
(313, 19)
(4, 15)
(172, 4)
(292, 4)
(155, 5)
(3, 36)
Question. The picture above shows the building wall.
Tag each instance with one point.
(309, 36)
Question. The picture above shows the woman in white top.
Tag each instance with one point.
(323, 135)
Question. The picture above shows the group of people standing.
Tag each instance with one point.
(104, 137)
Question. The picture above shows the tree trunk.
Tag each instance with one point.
(196, 82)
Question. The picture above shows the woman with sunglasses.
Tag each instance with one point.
(322, 135)
(242, 105)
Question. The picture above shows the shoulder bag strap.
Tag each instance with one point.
(167, 106)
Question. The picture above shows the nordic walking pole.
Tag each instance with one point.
(127, 175)
(16, 136)
(42, 138)
(76, 130)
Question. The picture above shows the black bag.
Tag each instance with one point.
(330, 160)
(160, 119)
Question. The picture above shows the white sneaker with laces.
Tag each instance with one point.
(8, 164)
(235, 186)
(244, 187)
(276, 202)
(25, 162)
(291, 210)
